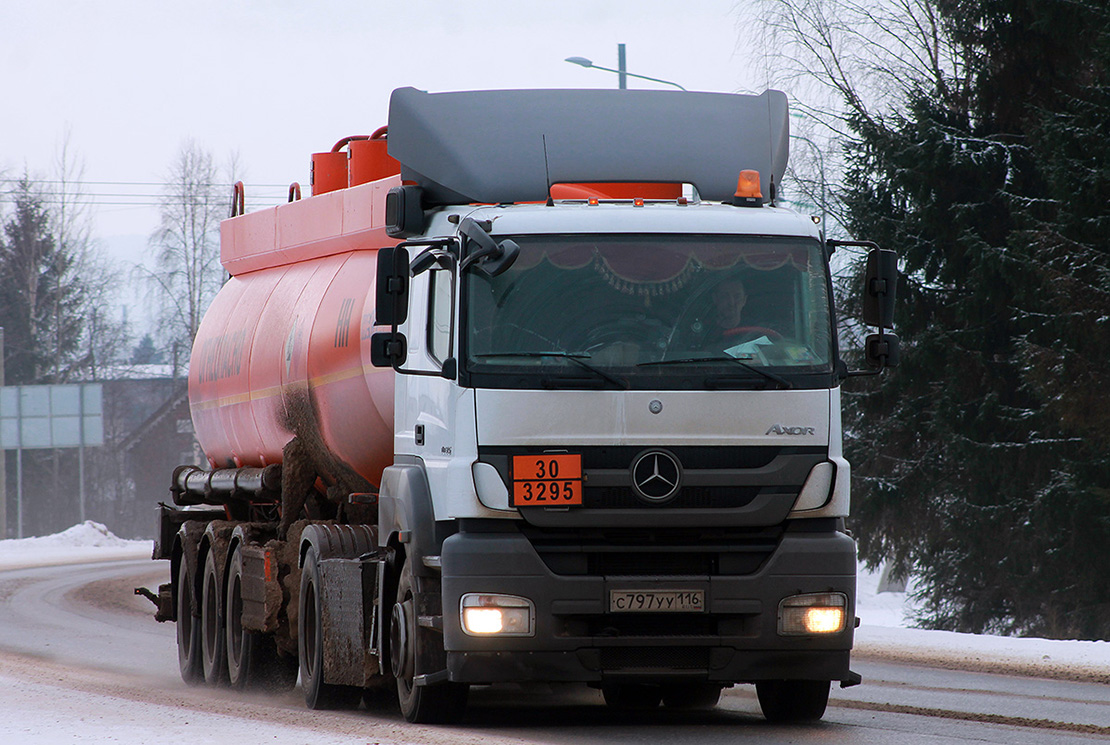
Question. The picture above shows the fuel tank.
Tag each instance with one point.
(284, 348)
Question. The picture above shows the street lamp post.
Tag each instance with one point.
(621, 71)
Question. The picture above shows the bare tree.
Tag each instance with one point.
(188, 273)
(105, 336)
(852, 65)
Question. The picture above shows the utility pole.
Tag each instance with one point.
(622, 69)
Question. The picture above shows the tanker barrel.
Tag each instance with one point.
(193, 485)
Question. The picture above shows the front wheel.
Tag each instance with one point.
(438, 703)
(793, 700)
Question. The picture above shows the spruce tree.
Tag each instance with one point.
(41, 298)
(983, 463)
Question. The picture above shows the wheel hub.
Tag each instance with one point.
(399, 642)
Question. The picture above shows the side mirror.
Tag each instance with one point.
(388, 349)
(492, 257)
(431, 257)
(881, 350)
(880, 282)
(391, 306)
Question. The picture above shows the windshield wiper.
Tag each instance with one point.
(579, 358)
(781, 381)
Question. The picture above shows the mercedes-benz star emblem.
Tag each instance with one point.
(656, 476)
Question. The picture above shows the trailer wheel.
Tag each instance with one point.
(188, 630)
(691, 695)
(310, 646)
(793, 700)
(252, 657)
(213, 655)
(438, 703)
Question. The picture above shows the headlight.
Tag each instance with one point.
(813, 614)
(497, 615)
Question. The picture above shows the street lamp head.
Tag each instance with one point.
(580, 61)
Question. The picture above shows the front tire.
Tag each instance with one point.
(793, 700)
(252, 657)
(213, 654)
(188, 629)
(310, 645)
(439, 703)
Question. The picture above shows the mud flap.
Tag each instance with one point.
(350, 567)
(349, 588)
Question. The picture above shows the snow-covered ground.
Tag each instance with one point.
(885, 631)
(883, 634)
(84, 543)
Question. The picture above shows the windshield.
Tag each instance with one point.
(660, 311)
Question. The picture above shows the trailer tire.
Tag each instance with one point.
(437, 703)
(212, 635)
(188, 629)
(793, 700)
(253, 661)
(310, 645)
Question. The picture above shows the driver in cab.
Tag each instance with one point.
(726, 327)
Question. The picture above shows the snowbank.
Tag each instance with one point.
(885, 633)
(84, 543)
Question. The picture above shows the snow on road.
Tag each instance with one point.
(45, 708)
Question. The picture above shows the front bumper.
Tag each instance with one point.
(576, 638)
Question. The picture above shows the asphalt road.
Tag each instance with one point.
(82, 627)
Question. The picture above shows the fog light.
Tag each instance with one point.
(497, 615)
(813, 614)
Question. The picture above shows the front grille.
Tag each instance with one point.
(725, 477)
(650, 564)
(652, 658)
(657, 553)
(690, 497)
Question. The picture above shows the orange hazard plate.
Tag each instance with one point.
(547, 480)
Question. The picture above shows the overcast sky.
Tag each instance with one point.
(275, 81)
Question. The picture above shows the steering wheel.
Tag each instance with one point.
(644, 332)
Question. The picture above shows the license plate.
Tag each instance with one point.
(547, 480)
(656, 601)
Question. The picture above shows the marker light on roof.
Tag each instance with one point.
(748, 193)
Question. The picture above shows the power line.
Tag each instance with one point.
(129, 183)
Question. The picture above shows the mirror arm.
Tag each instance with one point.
(444, 245)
